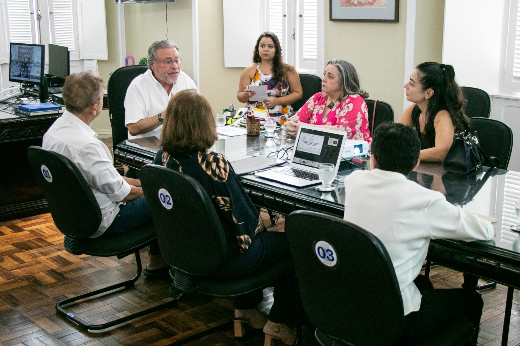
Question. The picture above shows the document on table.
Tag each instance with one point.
(260, 92)
(231, 131)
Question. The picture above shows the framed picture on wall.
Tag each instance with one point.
(364, 10)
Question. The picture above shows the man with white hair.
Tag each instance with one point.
(148, 95)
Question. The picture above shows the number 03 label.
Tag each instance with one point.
(165, 198)
(326, 253)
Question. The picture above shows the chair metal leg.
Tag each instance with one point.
(507, 315)
(83, 324)
(489, 285)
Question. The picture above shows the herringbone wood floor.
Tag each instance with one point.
(36, 272)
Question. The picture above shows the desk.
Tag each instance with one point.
(20, 194)
(494, 196)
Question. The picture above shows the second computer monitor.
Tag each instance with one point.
(59, 61)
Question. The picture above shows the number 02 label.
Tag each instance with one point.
(326, 253)
(165, 198)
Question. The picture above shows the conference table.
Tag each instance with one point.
(490, 193)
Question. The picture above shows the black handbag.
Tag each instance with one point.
(465, 155)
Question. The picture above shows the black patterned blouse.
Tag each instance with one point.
(213, 171)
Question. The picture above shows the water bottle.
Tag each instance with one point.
(517, 209)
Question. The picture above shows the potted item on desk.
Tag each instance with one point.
(252, 125)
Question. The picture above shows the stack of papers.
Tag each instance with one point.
(231, 131)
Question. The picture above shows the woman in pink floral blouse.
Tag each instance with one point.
(339, 105)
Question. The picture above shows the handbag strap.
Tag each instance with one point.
(373, 118)
(491, 161)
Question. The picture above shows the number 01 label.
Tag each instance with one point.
(165, 198)
(326, 253)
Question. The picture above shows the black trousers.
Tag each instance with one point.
(441, 306)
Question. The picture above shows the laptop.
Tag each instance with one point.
(313, 145)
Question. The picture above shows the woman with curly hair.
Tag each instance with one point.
(437, 112)
(268, 68)
(189, 130)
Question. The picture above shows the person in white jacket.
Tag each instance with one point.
(405, 217)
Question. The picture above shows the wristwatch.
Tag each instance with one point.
(160, 118)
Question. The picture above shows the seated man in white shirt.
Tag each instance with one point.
(148, 95)
(408, 216)
(120, 199)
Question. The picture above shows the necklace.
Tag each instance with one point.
(331, 104)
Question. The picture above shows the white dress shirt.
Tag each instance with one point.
(405, 216)
(146, 98)
(72, 138)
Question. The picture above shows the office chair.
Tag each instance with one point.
(495, 138)
(479, 103)
(378, 113)
(192, 240)
(311, 84)
(77, 215)
(348, 285)
(117, 86)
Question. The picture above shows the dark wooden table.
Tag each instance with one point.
(493, 195)
(20, 195)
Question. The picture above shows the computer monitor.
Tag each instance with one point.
(59, 62)
(26, 63)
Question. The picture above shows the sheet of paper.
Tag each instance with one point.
(90, 65)
(260, 92)
(231, 131)
(487, 218)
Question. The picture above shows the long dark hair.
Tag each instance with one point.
(279, 67)
(348, 79)
(447, 95)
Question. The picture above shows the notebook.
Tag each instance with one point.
(313, 145)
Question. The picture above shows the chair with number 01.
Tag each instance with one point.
(348, 285)
(77, 215)
(193, 242)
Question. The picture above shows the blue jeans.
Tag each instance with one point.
(133, 214)
(266, 248)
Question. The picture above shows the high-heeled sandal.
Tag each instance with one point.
(249, 317)
(278, 331)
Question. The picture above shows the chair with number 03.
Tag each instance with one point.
(348, 285)
(193, 242)
(77, 215)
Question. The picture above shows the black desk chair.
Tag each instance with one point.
(76, 213)
(357, 300)
(117, 86)
(479, 102)
(378, 112)
(495, 138)
(311, 84)
(192, 240)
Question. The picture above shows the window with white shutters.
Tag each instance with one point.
(511, 196)
(512, 71)
(62, 24)
(297, 25)
(21, 28)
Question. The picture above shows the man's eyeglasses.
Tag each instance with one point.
(282, 154)
(170, 62)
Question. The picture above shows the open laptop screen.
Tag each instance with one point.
(315, 147)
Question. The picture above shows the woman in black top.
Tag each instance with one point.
(188, 132)
(437, 112)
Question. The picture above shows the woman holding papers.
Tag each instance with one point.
(189, 130)
(339, 105)
(280, 80)
(437, 112)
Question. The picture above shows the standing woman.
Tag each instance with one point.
(268, 68)
(437, 112)
(340, 105)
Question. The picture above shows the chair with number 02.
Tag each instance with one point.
(348, 285)
(193, 242)
(77, 215)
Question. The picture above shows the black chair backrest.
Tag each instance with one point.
(384, 113)
(73, 206)
(479, 102)
(495, 138)
(311, 84)
(117, 86)
(357, 299)
(189, 231)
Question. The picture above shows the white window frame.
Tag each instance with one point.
(511, 83)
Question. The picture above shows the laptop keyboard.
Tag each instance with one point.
(299, 173)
